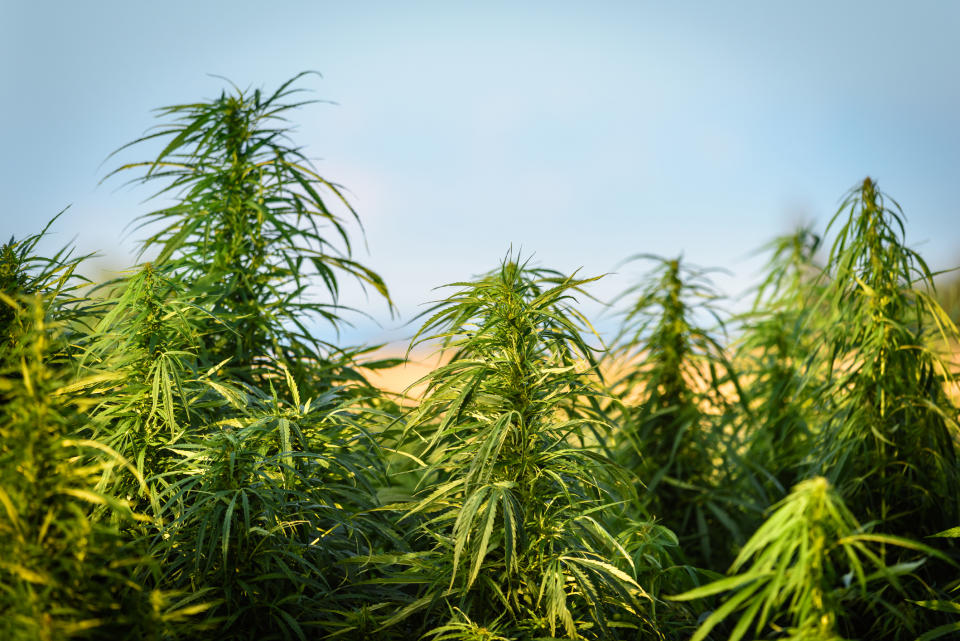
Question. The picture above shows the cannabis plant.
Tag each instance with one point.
(250, 226)
(797, 573)
(140, 367)
(63, 571)
(265, 507)
(948, 294)
(24, 272)
(777, 336)
(514, 485)
(676, 389)
(253, 498)
(889, 443)
(951, 607)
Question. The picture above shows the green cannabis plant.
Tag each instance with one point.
(951, 606)
(777, 335)
(64, 571)
(250, 227)
(140, 364)
(677, 388)
(24, 272)
(794, 576)
(889, 444)
(514, 481)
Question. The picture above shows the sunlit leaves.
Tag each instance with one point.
(889, 442)
(250, 228)
(514, 491)
(799, 567)
(62, 569)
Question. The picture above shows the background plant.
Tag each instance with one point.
(776, 338)
(677, 391)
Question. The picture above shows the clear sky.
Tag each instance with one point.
(582, 132)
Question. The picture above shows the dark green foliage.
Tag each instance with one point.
(942, 604)
(778, 335)
(263, 509)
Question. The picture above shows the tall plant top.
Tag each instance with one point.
(666, 305)
(892, 423)
(790, 271)
(24, 273)
(250, 227)
(502, 433)
(511, 308)
(870, 253)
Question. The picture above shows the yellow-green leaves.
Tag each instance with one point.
(513, 499)
(798, 568)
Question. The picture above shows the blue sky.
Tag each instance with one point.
(581, 132)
